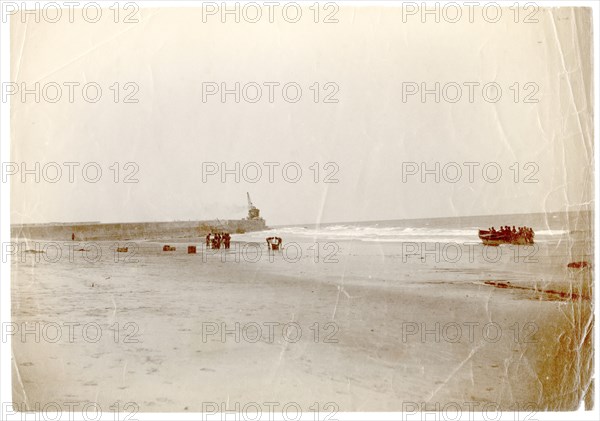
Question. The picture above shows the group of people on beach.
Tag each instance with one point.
(274, 243)
(217, 240)
(522, 232)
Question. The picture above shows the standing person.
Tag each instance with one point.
(275, 243)
(73, 237)
(530, 234)
(208, 240)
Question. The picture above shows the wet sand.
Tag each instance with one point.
(485, 344)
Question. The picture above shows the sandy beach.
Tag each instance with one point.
(429, 167)
(366, 326)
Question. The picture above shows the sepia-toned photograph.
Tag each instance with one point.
(217, 210)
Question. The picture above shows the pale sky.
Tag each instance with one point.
(369, 133)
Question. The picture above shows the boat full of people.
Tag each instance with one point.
(507, 235)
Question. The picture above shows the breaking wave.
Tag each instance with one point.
(376, 233)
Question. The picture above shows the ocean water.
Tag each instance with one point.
(440, 250)
(548, 227)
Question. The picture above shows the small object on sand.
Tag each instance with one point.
(167, 247)
(191, 249)
(578, 265)
(122, 249)
(499, 284)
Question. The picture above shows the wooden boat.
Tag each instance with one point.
(495, 238)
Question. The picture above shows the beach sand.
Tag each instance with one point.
(521, 341)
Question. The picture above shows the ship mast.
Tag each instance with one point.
(253, 211)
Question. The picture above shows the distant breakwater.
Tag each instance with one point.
(134, 230)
